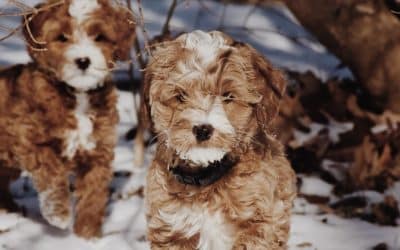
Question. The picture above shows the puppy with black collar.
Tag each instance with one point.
(219, 180)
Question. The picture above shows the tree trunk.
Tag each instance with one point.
(365, 35)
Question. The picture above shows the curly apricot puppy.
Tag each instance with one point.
(219, 180)
(58, 114)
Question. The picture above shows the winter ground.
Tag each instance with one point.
(274, 32)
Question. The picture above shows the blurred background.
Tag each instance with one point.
(338, 120)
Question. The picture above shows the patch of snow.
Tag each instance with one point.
(336, 169)
(302, 206)
(339, 234)
(8, 221)
(301, 138)
(334, 129)
(379, 128)
(313, 185)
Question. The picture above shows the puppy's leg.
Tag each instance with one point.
(54, 200)
(92, 184)
(52, 184)
(262, 237)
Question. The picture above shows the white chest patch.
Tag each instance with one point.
(215, 233)
(80, 138)
(81, 9)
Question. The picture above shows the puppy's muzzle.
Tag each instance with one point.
(203, 132)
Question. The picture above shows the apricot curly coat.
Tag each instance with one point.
(249, 207)
(38, 116)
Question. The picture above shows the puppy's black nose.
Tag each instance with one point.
(203, 132)
(82, 63)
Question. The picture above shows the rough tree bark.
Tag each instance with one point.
(365, 35)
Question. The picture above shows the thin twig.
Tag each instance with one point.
(20, 4)
(25, 13)
(222, 18)
(26, 23)
(131, 70)
(251, 12)
(171, 10)
(145, 35)
(129, 4)
(139, 55)
(11, 33)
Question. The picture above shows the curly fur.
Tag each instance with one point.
(52, 127)
(249, 208)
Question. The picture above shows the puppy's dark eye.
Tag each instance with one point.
(101, 38)
(228, 97)
(62, 38)
(181, 97)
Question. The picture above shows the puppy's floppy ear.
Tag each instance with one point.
(273, 90)
(270, 83)
(33, 25)
(125, 26)
(161, 60)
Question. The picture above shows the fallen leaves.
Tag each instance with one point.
(369, 165)
(335, 121)
(386, 212)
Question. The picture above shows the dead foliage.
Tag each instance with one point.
(337, 121)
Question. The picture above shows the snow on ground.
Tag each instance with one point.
(328, 232)
(275, 33)
(124, 228)
(312, 185)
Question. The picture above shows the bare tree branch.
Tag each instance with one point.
(171, 10)
(25, 11)
(145, 35)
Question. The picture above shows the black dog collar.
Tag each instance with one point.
(203, 176)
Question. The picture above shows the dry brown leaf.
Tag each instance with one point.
(371, 167)
(304, 244)
(386, 212)
(388, 117)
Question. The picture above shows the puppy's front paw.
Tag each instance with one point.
(63, 222)
(56, 212)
